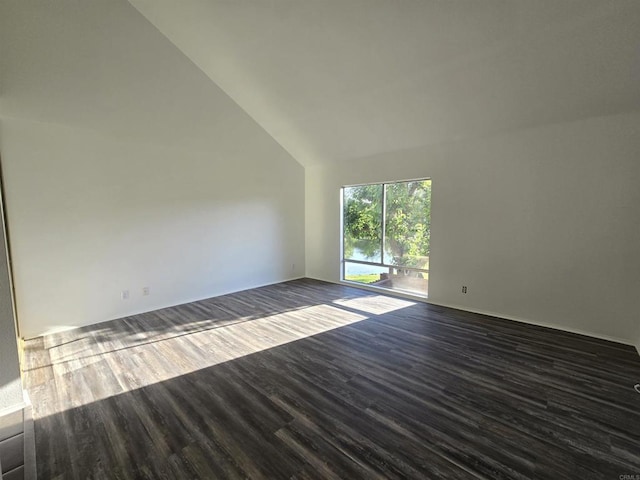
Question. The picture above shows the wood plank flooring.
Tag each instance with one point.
(309, 380)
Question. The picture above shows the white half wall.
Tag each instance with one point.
(11, 395)
(126, 167)
(542, 225)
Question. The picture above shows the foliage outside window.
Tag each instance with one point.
(386, 235)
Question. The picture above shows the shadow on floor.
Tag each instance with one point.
(415, 392)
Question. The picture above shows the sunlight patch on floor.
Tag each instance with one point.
(91, 367)
(377, 305)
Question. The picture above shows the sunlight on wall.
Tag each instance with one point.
(11, 394)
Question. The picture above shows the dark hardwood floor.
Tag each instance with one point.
(309, 380)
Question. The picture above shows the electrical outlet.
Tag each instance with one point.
(125, 294)
(146, 291)
(293, 267)
(464, 289)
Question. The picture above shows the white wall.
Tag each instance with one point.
(542, 225)
(10, 382)
(125, 166)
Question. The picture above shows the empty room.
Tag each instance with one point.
(319, 239)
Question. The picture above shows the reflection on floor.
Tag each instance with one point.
(311, 380)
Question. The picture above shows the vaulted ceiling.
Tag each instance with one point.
(333, 80)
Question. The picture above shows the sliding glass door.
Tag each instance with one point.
(386, 235)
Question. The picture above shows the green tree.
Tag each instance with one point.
(363, 221)
(407, 222)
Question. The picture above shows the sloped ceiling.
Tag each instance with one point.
(101, 65)
(333, 80)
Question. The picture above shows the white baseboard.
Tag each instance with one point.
(537, 323)
(160, 307)
(491, 314)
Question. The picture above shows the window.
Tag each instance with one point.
(386, 230)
